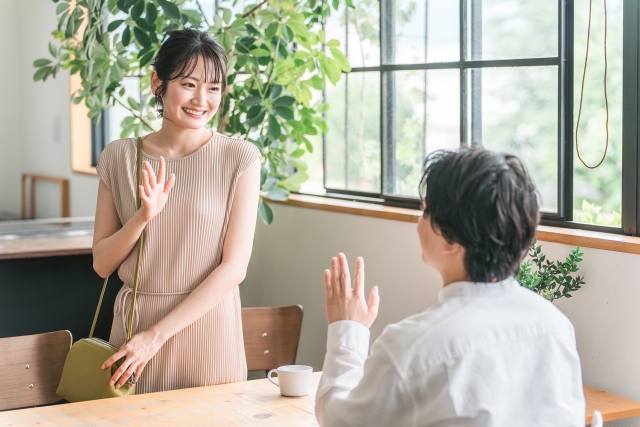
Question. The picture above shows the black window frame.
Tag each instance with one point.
(564, 62)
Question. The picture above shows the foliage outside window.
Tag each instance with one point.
(278, 56)
(409, 94)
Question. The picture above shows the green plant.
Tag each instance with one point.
(277, 56)
(590, 214)
(552, 280)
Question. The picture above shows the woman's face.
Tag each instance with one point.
(190, 102)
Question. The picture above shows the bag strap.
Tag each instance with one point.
(140, 243)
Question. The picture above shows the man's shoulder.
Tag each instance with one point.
(457, 326)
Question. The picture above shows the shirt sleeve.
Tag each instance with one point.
(356, 390)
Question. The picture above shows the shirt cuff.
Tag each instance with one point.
(349, 334)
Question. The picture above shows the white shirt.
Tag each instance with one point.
(487, 354)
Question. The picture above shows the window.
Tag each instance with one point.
(504, 74)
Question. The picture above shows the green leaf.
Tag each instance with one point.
(227, 15)
(349, 3)
(62, 7)
(122, 62)
(342, 61)
(264, 212)
(142, 37)
(298, 28)
(170, 9)
(260, 52)
(252, 100)
(271, 30)
(52, 49)
(41, 62)
(147, 58)
(152, 14)
(284, 101)
(278, 194)
(113, 25)
(126, 37)
(137, 9)
(298, 153)
(40, 74)
(194, 16)
(336, 4)
(284, 112)
(288, 33)
(274, 127)
(133, 103)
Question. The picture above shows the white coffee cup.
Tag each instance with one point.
(293, 380)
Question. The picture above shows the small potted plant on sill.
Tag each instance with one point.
(550, 279)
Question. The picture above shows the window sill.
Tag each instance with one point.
(582, 238)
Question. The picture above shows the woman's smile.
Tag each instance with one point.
(194, 113)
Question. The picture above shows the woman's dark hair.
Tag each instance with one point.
(487, 203)
(179, 55)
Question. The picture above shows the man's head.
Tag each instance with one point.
(480, 214)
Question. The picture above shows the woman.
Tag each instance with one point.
(199, 228)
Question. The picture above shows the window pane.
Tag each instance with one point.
(509, 29)
(117, 113)
(361, 43)
(597, 193)
(518, 109)
(425, 120)
(353, 141)
(438, 41)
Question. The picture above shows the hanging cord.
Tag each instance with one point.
(584, 74)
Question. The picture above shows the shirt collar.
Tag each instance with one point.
(470, 289)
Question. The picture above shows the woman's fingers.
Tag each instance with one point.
(169, 184)
(374, 301)
(116, 376)
(139, 370)
(127, 374)
(146, 182)
(110, 361)
(161, 171)
(152, 175)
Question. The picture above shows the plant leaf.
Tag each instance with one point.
(152, 14)
(170, 9)
(284, 112)
(274, 128)
(264, 212)
(142, 37)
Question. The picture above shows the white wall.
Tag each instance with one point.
(34, 116)
(9, 110)
(290, 255)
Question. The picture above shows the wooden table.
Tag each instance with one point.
(237, 404)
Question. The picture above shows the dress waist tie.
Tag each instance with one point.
(121, 304)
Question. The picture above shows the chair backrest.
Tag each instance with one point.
(31, 367)
(271, 336)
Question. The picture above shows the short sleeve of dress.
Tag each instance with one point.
(105, 166)
(247, 154)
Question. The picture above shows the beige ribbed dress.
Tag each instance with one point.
(183, 245)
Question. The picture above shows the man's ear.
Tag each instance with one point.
(453, 248)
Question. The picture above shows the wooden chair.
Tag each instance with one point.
(31, 367)
(271, 336)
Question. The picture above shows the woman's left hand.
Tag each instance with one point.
(137, 353)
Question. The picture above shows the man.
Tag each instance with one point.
(490, 353)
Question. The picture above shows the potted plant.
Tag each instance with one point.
(551, 279)
(277, 48)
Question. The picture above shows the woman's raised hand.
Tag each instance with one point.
(154, 191)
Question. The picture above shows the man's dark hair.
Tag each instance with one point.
(484, 201)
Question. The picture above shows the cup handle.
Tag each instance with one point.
(270, 379)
